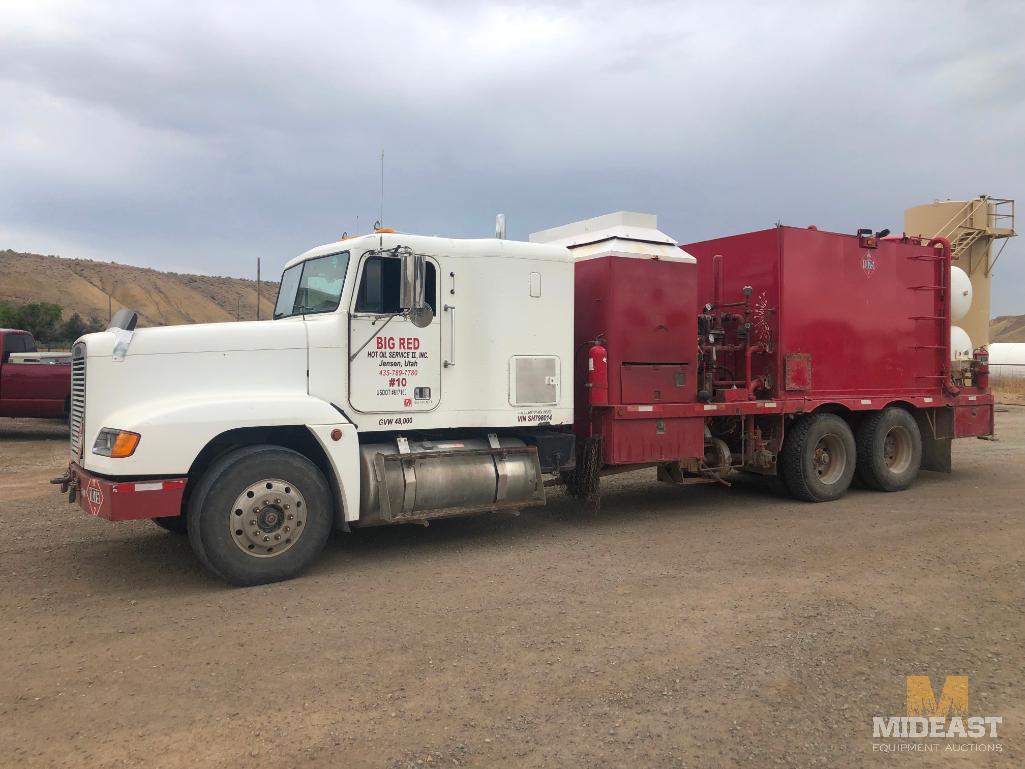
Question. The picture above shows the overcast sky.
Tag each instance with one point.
(197, 136)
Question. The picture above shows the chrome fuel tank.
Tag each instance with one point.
(427, 479)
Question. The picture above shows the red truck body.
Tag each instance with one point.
(31, 389)
(767, 325)
(843, 320)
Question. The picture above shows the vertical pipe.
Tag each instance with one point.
(717, 280)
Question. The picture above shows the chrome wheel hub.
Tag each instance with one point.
(268, 518)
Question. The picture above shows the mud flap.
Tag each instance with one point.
(936, 454)
(670, 472)
(584, 482)
(937, 429)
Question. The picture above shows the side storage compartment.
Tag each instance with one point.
(639, 441)
(655, 383)
(973, 420)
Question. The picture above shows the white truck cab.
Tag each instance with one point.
(403, 378)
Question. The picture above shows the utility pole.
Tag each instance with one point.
(257, 288)
(110, 303)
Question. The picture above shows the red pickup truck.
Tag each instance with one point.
(32, 384)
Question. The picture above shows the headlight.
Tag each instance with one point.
(115, 443)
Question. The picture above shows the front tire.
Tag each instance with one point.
(260, 514)
(818, 458)
(889, 450)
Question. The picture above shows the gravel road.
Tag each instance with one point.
(675, 627)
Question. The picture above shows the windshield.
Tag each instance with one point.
(312, 286)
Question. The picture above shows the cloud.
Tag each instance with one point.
(198, 136)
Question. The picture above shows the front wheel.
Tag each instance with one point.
(818, 458)
(260, 514)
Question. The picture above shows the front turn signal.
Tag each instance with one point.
(116, 444)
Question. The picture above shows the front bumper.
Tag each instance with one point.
(123, 500)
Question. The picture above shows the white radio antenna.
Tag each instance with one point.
(381, 217)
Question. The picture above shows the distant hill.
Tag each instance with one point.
(1007, 328)
(160, 298)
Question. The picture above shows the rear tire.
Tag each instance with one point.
(889, 450)
(818, 458)
(260, 514)
(174, 523)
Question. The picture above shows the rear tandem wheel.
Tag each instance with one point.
(889, 450)
(818, 458)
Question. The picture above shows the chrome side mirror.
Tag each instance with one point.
(413, 294)
(414, 271)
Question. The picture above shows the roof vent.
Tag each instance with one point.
(623, 233)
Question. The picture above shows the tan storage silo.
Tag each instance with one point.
(971, 226)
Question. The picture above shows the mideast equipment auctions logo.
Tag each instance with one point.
(932, 725)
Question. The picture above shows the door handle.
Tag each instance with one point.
(451, 309)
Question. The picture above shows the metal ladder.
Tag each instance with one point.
(941, 312)
(963, 231)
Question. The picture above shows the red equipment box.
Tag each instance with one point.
(840, 315)
(644, 311)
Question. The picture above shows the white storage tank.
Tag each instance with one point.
(960, 344)
(1007, 359)
(960, 293)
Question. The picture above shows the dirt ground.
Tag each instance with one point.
(676, 627)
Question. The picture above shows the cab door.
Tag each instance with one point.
(394, 366)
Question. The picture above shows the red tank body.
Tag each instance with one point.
(710, 362)
(840, 319)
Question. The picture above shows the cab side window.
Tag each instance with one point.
(16, 343)
(380, 285)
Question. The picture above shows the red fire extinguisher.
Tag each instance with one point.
(598, 373)
(980, 373)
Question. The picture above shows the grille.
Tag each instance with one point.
(77, 417)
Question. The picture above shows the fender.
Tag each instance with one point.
(174, 432)
(343, 454)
